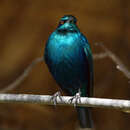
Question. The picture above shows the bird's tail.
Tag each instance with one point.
(85, 118)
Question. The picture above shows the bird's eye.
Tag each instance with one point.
(62, 22)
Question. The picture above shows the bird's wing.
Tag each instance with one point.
(89, 57)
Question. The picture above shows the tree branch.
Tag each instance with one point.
(120, 66)
(123, 105)
(100, 56)
(22, 76)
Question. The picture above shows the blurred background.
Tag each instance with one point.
(24, 28)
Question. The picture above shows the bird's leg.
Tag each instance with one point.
(55, 96)
(76, 98)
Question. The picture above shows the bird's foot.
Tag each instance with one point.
(55, 96)
(76, 98)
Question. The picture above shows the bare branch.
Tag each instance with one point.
(21, 77)
(120, 66)
(100, 56)
(85, 101)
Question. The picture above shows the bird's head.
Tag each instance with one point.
(67, 24)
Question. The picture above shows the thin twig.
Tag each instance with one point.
(22, 76)
(100, 56)
(120, 66)
(84, 101)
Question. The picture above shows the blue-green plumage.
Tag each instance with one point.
(69, 59)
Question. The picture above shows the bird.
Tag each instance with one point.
(68, 57)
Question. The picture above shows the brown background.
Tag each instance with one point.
(24, 28)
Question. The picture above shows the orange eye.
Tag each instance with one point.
(62, 22)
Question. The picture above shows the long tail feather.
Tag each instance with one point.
(85, 118)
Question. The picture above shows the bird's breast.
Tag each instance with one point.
(64, 54)
(66, 60)
(62, 48)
